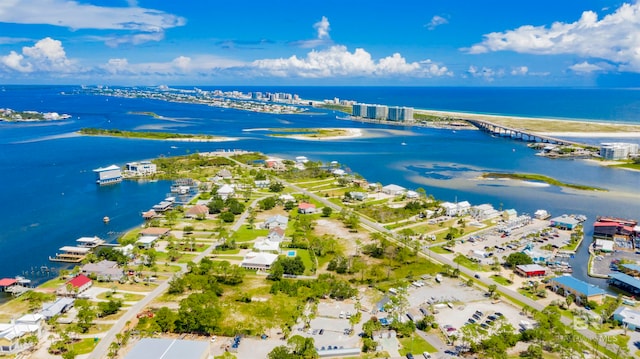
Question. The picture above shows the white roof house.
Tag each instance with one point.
(146, 241)
(285, 197)
(450, 209)
(226, 191)
(412, 194)
(10, 333)
(483, 211)
(393, 190)
(265, 245)
(260, 260)
(628, 317)
(276, 221)
(463, 207)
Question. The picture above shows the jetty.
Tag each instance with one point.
(520, 134)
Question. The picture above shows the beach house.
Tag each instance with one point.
(12, 334)
(75, 286)
(104, 271)
(276, 221)
(276, 234)
(306, 208)
(393, 190)
(226, 191)
(108, 175)
(258, 261)
(142, 168)
(198, 211)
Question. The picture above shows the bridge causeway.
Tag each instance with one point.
(519, 134)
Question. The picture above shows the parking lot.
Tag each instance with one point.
(493, 242)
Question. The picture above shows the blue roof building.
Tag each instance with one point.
(579, 289)
(625, 282)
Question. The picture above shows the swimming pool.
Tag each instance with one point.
(291, 253)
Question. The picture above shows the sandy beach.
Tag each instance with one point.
(217, 139)
(593, 134)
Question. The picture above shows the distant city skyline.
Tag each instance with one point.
(590, 43)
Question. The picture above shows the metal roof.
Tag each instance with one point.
(160, 348)
(578, 285)
(626, 279)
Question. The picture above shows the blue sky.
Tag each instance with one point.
(356, 42)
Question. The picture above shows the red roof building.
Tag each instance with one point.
(78, 285)
(6, 283)
(305, 208)
(531, 270)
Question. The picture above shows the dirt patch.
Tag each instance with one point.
(344, 236)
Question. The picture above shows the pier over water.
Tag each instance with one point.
(519, 134)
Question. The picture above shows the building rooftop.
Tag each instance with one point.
(160, 348)
(531, 267)
(79, 281)
(110, 168)
(626, 279)
(633, 267)
(629, 315)
(565, 219)
(578, 285)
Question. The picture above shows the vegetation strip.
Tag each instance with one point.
(143, 135)
(540, 178)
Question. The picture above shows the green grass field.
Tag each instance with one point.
(415, 345)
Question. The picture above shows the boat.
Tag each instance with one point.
(439, 278)
(403, 143)
(106, 219)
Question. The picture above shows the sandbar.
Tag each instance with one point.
(350, 133)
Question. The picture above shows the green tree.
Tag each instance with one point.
(326, 211)
(276, 187)
(276, 271)
(227, 217)
(267, 203)
(518, 258)
(86, 315)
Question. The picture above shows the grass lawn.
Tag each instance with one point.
(53, 283)
(127, 297)
(139, 287)
(227, 251)
(466, 262)
(230, 258)
(244, 234)
(415, 269)
(84, 346)
(527, 294)
(306, 259)
(415, 345)
(440, 250)
(501, 280)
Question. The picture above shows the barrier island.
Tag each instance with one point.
(540, 178)
(152, 135)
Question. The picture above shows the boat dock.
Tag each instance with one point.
(71, 254)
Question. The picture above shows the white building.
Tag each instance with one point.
(393, 190)
(265, 245)
(11, 333)
(618, 150)
(258, 261)
(456, 209)
(108, 175)
(142, 168)
(483, 212)
(412, 195)
(276, 221)
(226, 191)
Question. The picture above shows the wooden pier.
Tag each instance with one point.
(523, 135)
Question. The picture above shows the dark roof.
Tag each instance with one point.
(626, 279)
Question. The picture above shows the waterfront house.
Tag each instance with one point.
(104, 271)
(541, 214)
(198, 211)
(155, 231)
(226, 191)
(393, 190)
(306, 208)
(108, 175)
(338, 172)
(75, 286)
(412, 195)
(567, 285)
(483, 212)
(564, 222)
(6, 283)
(276, 234)
(89, 242)
(163, 206)
(258, 261)
(61, 305)
(150, 214)
(12, 333)
(126, 250)
(531, 270)
(629, 318)
(147, 241)
(463, 208)
(142, 168)
(276, 221)
(509, 214)
(450, 209)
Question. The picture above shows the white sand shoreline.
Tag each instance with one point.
(351, 133)
(592, 134)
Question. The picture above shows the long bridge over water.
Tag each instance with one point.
(519, 134)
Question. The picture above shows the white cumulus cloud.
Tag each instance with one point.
(76, 15)
(486, 73)
(322, 35)
(520, 70)
(436, 21)
(179, 66)
(47, 55)
(613, 38)
(338, 61)
(322, 27)
(586, 67)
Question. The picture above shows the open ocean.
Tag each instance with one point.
(50, 197)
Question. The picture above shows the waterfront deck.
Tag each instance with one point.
(70, 254)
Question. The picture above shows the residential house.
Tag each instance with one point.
(147, 241)
(359, 196)
(258, 261)
(155, 231)
(306, 208)
(265, 245)
(412, 195)
(150, 214)
(483, 212)
(61, 305)
(75, 286)
(463, 208)
(224, 174)
(509, 214)
(276, 221)
(393, 190)
(450, 209)
(285, 197)
(198, 211)
(12, 333)
(276, 234)
(226, 191)
(142, 168)
(262, 183)
(104, 271)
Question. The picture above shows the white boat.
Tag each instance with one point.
(438, 278)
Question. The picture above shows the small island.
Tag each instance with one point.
(316, 133)
(539, 178)
(9, 115)
(152, 135)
